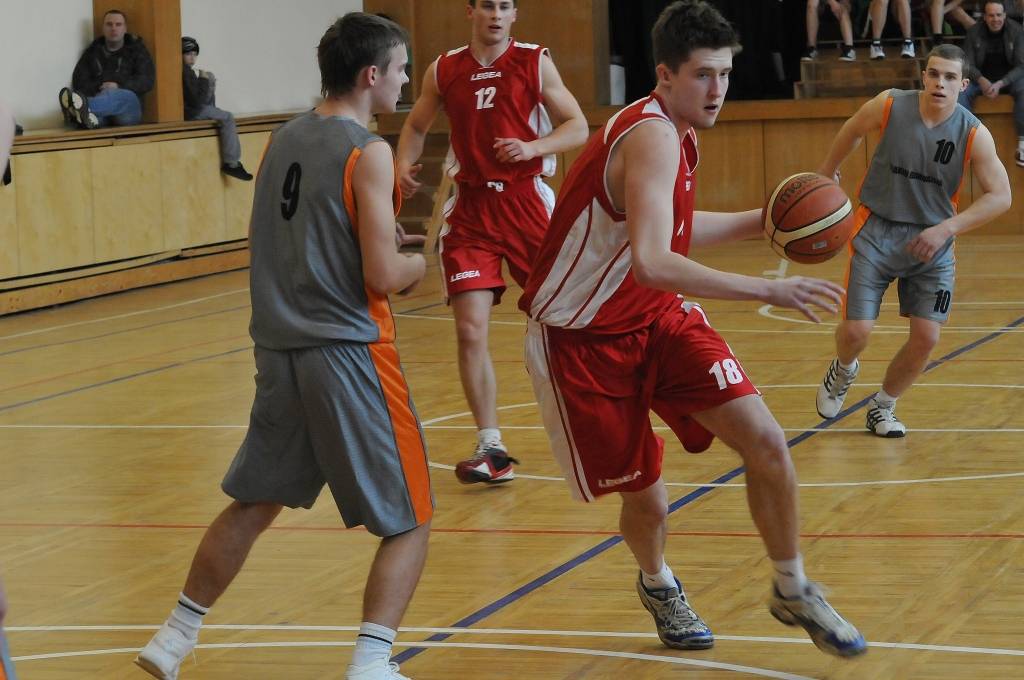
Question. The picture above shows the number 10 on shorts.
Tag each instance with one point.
(727, 372)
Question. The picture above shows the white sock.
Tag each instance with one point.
(660, 581)
(789, 576)
(373, 644)
(847, 367)
(488, 435)
(884, 397)
(1020, 143)
(187, 617)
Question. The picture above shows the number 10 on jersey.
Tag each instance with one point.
(485, 97)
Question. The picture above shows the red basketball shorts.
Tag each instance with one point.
(484, 225)
(596, 392)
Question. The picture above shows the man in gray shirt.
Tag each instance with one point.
(995, 64)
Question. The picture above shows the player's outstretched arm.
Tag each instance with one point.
(570, 125)
(643, 177)
(868, 118)
(713, 228)
(385, 270)
(414, 132)
(994, 201)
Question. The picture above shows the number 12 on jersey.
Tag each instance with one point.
(485, 97)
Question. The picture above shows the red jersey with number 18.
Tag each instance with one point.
(583, 276)
(487, 101)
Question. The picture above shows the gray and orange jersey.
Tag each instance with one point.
(306, 275)
(916, 171)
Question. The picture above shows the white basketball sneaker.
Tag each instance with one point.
(162, 657)
(832, 391)
(882, 421)
(378, 670)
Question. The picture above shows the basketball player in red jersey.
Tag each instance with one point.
(509, 113)
(610, 338)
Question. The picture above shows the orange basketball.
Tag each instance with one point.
(808, 218)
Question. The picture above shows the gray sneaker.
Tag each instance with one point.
(829, 631)
(832, 392)
(678, 625)
(882, 421)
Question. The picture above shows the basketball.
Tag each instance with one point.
(808, 218)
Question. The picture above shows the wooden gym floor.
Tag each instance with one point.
(119, 415)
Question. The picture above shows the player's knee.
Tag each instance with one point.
(767, 449)
(854, 333)
(257, 516)
(471, 331)
(925, 339)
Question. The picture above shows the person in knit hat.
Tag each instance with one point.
(201, 104)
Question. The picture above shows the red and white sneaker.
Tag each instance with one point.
(490, 464)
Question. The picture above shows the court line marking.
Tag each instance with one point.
(126, 315)
(674, 660)
(952, 649)
(766, 311)
(600, 548)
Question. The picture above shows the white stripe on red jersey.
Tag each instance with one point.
(583, 275)
(486, 101)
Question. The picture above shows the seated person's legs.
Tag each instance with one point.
(116, 107)
(230, 146)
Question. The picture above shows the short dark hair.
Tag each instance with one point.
(688, 25)
(950, 52)
(515, 3)
(115, 11)
(352, 43)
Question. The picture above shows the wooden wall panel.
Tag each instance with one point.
(238, 195)
(55, 224)
(193, 193)
(800, 146)
(9, 227)
(127, 197)
(730, 175)
(158, 23)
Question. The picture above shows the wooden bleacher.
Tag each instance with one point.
(96, 211)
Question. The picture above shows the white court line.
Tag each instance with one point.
(675, 660)
(766, 311)
(123, 316)
(955, 649)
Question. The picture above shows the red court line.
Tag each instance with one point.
(514, 532)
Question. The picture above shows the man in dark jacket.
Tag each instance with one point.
(199, 89)
(995, 64)
(109, 79)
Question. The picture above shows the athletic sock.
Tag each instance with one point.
(789, 576)
(373, 643)
(1020, 143)
(883, 397)
(488, 435)
(847, 367)
(187, 617)
(662, 580)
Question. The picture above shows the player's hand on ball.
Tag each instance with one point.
(513, 150)
(407, 179)
(803, 293)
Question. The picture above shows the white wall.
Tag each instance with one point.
(262, 51)
(42, 40)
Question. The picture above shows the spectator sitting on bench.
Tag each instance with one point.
(201, 104)
(841, 10)
(110, 77)
(879, 10)
(995, 64)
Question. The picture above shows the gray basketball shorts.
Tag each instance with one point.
(339, 414)
(880, 256)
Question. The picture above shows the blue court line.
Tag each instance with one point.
(158, 369)
(584, 557)
(124, 330)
